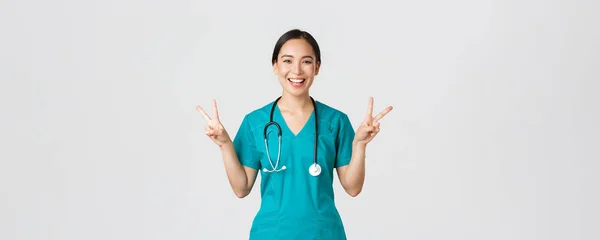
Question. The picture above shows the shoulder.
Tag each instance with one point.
(331, 116)
(328, 112)
(258, 116)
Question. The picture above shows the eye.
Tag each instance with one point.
(308, 62)
(287, 61)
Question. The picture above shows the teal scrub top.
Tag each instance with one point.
(295, 204)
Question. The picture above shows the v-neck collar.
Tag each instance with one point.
(307, 128)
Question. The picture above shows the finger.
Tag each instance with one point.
(215, 111)
(383, 113)
(369, 129)
(210, 133)
(365, 123)
(370, 108)
(375, 132)
(206, 117)
(371, 137)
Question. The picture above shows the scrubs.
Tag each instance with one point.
(295, 204)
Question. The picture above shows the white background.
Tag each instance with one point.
(494, 132)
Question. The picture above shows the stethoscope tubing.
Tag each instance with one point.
(315, 168)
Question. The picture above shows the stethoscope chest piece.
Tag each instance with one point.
(314, 169)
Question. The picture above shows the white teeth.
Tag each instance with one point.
(296, 80)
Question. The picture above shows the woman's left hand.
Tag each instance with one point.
(369, 128)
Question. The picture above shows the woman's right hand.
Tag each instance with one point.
(214, 129)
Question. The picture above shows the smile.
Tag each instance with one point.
(296, 80)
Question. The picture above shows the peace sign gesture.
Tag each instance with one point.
(214, 129)
(369, 128)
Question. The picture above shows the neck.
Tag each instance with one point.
(295, 103)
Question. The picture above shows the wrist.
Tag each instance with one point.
(359, 145)
(226, 145)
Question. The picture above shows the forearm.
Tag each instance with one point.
(355, 174)
(235, 170)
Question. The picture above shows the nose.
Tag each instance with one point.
(296, 69)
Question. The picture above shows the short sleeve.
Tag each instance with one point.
(345, 137)
(245, 146)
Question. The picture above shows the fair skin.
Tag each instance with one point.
(296, 61)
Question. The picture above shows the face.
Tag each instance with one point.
(296, 67)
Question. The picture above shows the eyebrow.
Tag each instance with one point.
(293, 56)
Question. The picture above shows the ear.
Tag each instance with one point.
(275, 68)
(317, 68)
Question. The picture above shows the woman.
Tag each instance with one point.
(297, 200)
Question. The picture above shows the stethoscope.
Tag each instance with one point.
(314, 169)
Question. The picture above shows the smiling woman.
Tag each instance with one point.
(296, 61)
(312, 139)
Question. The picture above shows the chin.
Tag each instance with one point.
(296, 92)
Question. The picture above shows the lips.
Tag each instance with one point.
(296, 82)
